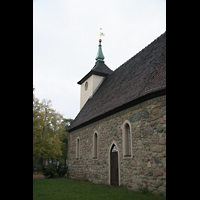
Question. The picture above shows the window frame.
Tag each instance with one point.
(77, 148)
(95, 146)
(127, 140)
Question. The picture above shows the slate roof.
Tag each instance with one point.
(99, 69)
(142, 75)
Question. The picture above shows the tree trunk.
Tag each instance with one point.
(41, 161)
(64, 162)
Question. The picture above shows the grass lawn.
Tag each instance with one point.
(65, 188)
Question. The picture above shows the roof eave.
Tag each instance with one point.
(92, 72)
(141, 99)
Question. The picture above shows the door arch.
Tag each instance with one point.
(114, 165)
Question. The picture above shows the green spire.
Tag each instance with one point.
(100, 55)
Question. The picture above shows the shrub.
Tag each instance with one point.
(61, 170)
(50, 171)
(38, 168)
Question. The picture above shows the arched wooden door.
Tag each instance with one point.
(114, 179)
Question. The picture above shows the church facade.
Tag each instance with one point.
(119, 135)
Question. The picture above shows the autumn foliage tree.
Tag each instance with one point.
(49, 133)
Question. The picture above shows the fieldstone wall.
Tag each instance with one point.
(147, 167)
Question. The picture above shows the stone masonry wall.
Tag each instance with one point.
(147, 168)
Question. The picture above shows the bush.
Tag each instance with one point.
(61, 170)
(38, 168)
(51, 171)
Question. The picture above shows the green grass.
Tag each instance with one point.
(69, 189)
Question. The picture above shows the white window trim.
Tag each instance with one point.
(123, 138)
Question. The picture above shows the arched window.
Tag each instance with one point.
(95, 141)
(127, 144)
(77, 148)
(114, 148)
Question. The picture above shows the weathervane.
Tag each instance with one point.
(101, 34)
(100, 55)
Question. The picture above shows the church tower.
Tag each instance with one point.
(91, 82)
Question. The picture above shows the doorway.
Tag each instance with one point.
(114, 174)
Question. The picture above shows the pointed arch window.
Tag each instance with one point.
(95, 145)
(114, 148)
(77, 148)
(127, 140)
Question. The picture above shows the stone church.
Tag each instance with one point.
(119, 135)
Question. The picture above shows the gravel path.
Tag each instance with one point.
(38, 177)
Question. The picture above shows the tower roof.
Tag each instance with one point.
(99, 68)
(100, 56)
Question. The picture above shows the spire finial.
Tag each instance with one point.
(100, 55)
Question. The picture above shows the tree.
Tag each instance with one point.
(49, 132)
(64, 138)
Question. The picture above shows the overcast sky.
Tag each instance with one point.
(65, 42)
